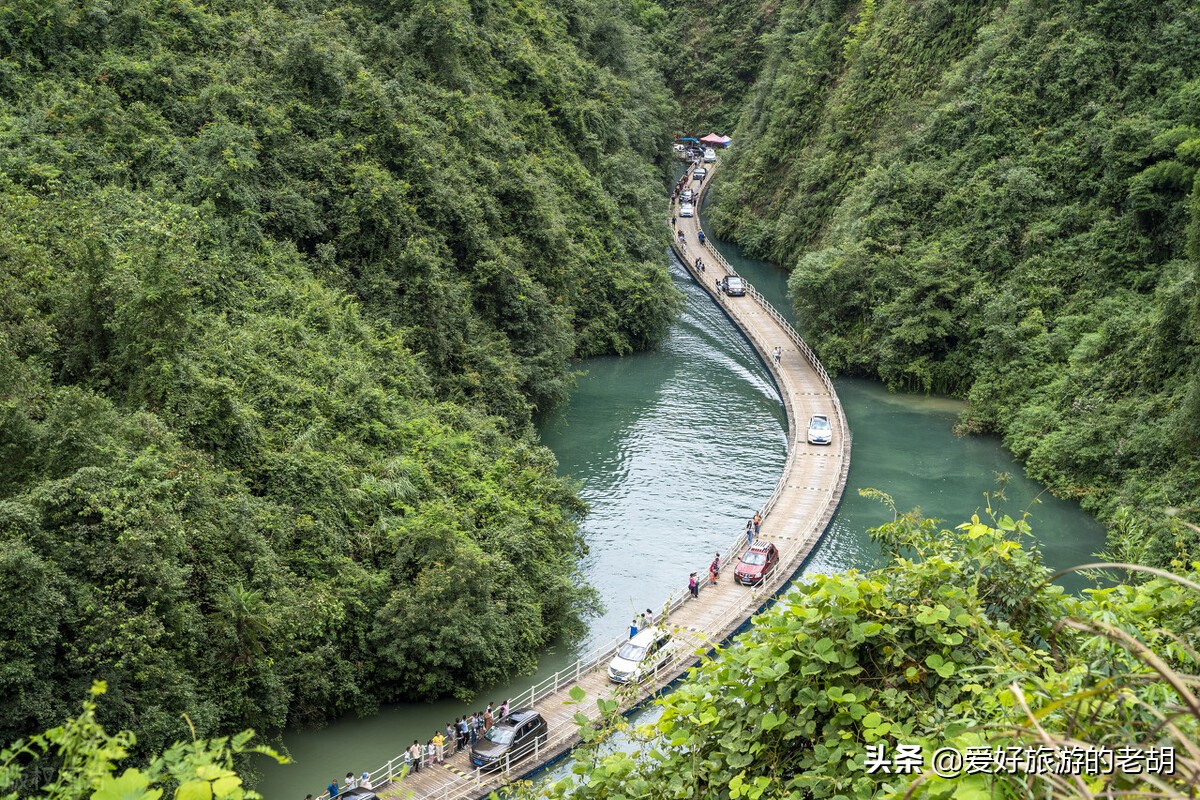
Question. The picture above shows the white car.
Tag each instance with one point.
(819, 430)
(641, 656)
(710, 156)
(687, 210)
(687, 195)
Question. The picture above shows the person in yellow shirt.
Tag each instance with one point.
(439, 747)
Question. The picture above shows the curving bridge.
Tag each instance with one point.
(794, 518)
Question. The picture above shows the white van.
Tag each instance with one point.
(641, 656)
(710, 156)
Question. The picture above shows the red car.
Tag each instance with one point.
(756, 563)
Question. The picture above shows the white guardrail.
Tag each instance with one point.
(459, 787)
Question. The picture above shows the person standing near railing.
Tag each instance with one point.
(439, 747)
(749, 533)
(332, 789)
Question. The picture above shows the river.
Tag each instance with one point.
(674, 449)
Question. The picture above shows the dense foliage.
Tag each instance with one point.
(712, 52)
(959, 642)
(999, 201)
(79, 759)
(281, 284)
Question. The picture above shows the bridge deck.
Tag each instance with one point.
(794, 518)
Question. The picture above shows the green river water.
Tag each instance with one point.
(674, 449)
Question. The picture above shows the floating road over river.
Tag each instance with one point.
(794, 518)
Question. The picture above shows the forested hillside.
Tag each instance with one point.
(281, 284)
(713, 50)
(999, 201)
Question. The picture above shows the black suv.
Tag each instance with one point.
(512, 737)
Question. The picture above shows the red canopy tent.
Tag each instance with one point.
(713, 138)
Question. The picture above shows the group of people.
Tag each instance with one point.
(641, 622)
(464, 731)
(753, 524)
(679, 187)
(714, 576)
(351, 783)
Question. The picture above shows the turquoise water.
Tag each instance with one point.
(674, 449)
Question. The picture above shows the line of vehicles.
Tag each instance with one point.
(706, 154)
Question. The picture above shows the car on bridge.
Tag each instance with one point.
(735, 286)
(699, 174)
(641, 656)
(514, 737)
(687, 195)
(819, 430)
(710, 156)
(357, 793)
(687, 210)
(759, 559)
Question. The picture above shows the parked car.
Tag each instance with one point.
(756, 563)
(699, 174)
(819, 430)
(512, 736)
(638, 658)
(687, 195)
(735, 286)
(710, 156)
(357, 793)
(687, 210)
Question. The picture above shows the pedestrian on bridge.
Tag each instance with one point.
(417, 754)
(332, 789)
(714, 569)
(365, 780)
(672, 222)
(633, 628)
(700, 236)
(694, 585)
(682, 238)
(749, 533)
(439, 748)
(757, 522)
(431, 752)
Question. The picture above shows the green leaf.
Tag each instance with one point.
(132, 784)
